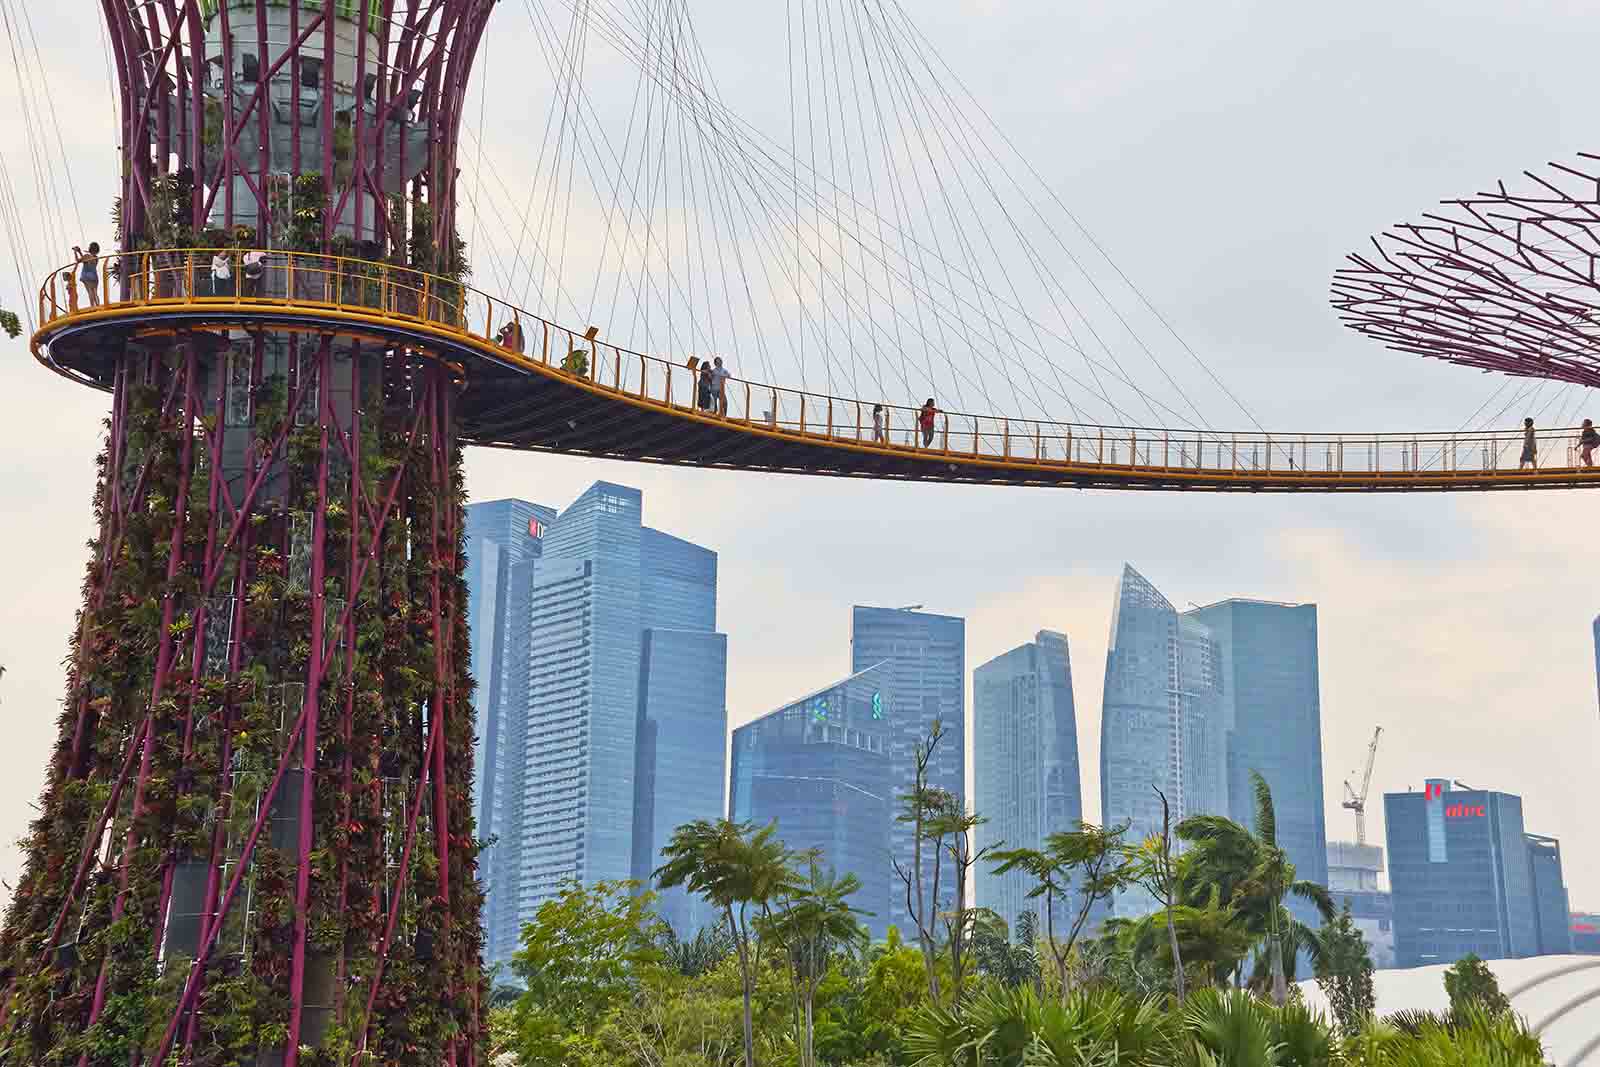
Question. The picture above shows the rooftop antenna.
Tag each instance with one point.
(1357, 802)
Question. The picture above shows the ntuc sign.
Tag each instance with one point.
(1435, 792)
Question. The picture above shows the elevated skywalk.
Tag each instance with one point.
(532, 385)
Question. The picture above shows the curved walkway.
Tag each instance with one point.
(533, 385)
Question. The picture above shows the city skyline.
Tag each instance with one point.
(1442, 619)
(1219, 617)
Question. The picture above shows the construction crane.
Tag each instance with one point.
(1357, 802)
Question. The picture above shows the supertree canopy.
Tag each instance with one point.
(1503, 280)
(255, 842)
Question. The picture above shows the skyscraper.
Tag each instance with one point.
(820, 767)
(1460, 875)
(679, 773)
(1025, 761)
(1549, 895)
(626, 688)
(1272, 716)
(1161, 723)
(925, 657)
(503, 542)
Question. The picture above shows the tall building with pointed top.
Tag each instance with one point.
(925, 659)
(1161, 724)
(503, 539)
(1025, 761)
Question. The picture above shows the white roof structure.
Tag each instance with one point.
(1559, 996)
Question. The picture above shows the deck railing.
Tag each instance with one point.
(311, 280)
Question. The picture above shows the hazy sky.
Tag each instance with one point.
(1228, 154)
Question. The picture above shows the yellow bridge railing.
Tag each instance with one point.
(259, 279)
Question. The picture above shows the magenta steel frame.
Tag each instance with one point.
(418, 73)
(1504, 280)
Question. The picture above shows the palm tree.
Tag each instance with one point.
(814, 925)
(1077, 870)
(734, 866)
(1253, 876)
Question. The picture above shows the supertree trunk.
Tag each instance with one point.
(256, 836)
(255, 842)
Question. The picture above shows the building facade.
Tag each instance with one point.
(1270, 695)
(924, 658)
(623, 650)
(820, 767)
(504, 539)
(1025, 761)
(1161, 724)
(1460, 874)
(1549, 895)
(1354, 879)
(679, 770)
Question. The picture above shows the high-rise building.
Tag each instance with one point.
(627, 716)
(1025, 761)
(1353, 879)
(503, 542)
(1549, 895)
(1460, 874)
(1272, 716)
(683, 720)
(820, 767)
(925, 659)
(1161, 724)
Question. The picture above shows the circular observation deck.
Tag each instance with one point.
(531, 385)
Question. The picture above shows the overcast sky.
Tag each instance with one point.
(1228, 154)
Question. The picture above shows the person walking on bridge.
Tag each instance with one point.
(1588, 441)
(1530, 447)
(925, 418)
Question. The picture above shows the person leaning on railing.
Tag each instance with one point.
(255, 270)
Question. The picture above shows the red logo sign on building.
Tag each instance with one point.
(535, 528)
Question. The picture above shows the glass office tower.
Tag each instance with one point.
(503, 543)
(626, 691)
(1025, 762)
(820, 767)
(1270, 696)
(1161, 723)
(1460, 875)
(683, 719)
(925, 657)
(1549, 895)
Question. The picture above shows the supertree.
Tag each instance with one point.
(255, 842)
(1503, 280)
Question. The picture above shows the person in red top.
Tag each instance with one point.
(925, 420)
